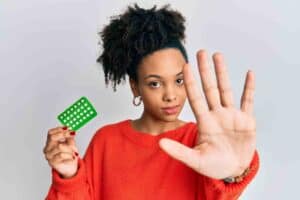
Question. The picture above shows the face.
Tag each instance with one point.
(160, 84)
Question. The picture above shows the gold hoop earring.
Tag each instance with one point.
(138, 103)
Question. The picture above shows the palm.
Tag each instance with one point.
(226, 139)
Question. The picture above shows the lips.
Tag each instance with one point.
(170, 107)
(171, 110)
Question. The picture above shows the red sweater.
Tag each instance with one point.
(121, 163)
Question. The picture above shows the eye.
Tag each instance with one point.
(179, 81)
(154, 84)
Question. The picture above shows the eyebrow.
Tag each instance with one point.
(157, 76)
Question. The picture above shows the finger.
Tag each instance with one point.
(180, 152)
(195, 98)
(56, 130)
(223, 81)
(208, 83)
(62, 157)
(49, 144)
(60, 148)
(72, 144)
(247, 99)
(52, 131)
(56, 137)
(59, 128)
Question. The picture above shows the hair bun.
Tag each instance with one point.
(163, 24)
(134, 33)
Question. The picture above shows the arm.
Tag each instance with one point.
(81, 186)
(73, 188)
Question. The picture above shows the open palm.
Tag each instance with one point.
(226, 138)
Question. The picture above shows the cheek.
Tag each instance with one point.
(151, 98)
(182, 94)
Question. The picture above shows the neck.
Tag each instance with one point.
(155, 126)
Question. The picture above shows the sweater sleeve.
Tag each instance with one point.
(219, 190)
(81, 186)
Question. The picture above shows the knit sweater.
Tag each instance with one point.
(122, 163)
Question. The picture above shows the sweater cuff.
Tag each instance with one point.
(221, 186)
(69, 184)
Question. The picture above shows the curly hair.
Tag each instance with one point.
(134, 34)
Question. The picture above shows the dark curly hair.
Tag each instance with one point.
(134, 34)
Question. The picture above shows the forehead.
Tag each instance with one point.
(164, 62)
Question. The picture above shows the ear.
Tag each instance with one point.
(134, 87)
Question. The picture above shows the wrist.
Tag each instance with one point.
(238, 178)
(240, 172)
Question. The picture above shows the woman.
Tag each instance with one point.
(159, 156)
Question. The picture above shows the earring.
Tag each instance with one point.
(138, 103)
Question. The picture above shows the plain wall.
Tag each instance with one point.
(48, 52)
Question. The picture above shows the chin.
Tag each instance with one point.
(170, 118)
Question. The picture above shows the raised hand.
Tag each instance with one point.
(226, 135)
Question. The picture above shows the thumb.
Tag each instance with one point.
(180, 152)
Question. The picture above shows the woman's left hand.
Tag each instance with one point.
(226, 135)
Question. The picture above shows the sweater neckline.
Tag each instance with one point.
(146, 139)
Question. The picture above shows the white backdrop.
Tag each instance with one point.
(48, 52)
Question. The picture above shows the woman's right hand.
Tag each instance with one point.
(61, 152)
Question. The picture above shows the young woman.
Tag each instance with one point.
(159, 156)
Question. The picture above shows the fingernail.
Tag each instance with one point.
(73, 133)
(65, 128)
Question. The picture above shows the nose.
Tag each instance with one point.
(169, 94)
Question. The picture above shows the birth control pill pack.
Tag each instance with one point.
(78, 114)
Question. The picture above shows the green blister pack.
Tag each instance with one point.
(78, 114)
